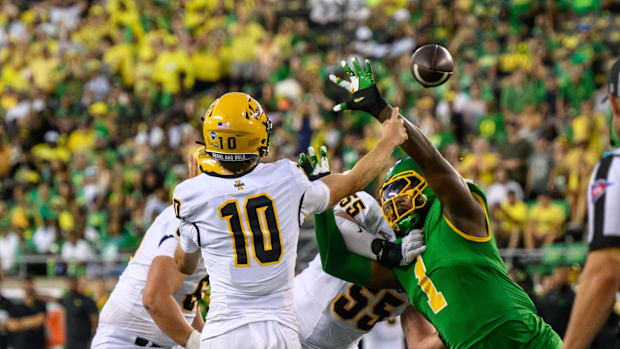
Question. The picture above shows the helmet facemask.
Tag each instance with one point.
(404, 187)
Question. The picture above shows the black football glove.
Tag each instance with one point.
(365, 95)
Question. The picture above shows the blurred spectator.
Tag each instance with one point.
(100, 292)
(45, 236)
(512, 217)
(555, 305)
(81, 316)
(76, 249)
(9, 245)
(514, 153)
(481, 164)
(5, 307)
(498, 191)
(26, 322)
(545, 222)
(539, 168)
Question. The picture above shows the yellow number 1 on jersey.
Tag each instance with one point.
(435, 298)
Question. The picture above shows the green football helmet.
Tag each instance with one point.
(405, 179)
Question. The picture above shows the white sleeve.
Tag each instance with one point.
(166, 247)
(358, 240)
(189, 237)
(314, 200)
(314, 196)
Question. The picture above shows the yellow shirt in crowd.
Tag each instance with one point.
(518, 213)
(546, 218)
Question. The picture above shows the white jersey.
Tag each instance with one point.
(604, 203)
(247, 228)
(124, 308)
(333, 313)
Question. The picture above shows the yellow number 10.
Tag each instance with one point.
(435, 298)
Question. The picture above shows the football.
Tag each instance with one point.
(431, 65)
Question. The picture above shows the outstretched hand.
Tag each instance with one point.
(313, 167)
(362, 86)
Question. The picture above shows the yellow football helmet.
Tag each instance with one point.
(236, 128)
(206, 163)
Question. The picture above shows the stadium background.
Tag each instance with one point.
(100, 102)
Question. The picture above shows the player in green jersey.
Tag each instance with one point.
(459, 283)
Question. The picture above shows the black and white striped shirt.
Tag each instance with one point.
(604, 203)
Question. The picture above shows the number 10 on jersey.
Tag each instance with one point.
(262, 220)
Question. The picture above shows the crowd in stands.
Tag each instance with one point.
(100, 103)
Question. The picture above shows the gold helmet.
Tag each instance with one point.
(206, 163)
(236, 128)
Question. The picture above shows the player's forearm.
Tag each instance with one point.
(418, 146)
(198, 322)
(364, 171)
(594, 301)
(168, 317)
(441, 176)
(162, 282)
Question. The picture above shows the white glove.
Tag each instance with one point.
(193, 342)
(412, 246)
(314, 167)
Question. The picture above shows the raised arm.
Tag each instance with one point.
(458, 203)
(342, 185)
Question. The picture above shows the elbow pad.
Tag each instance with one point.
(388, 253)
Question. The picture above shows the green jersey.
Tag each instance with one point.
(460, 284)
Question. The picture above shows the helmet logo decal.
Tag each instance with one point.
(255, 113)
(213, 135)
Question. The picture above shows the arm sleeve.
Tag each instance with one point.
(189, 237)
(335, 258)
(314, 200)
(314, 196)
(356, 239)
(166, 246)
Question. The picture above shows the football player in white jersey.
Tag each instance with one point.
(335, 314)
(153, 304)
(246, 223)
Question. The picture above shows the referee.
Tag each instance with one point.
(600, 279)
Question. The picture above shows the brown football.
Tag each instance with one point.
(431, 65)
